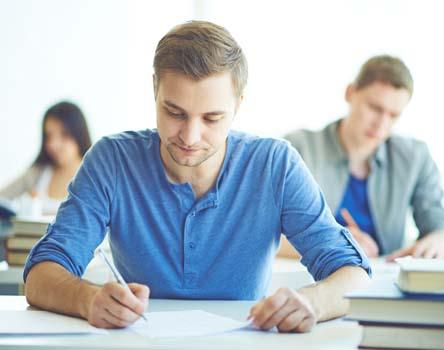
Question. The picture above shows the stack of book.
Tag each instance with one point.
(422, 276)
(25, 233)
(406, 314)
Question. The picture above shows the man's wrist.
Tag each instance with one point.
(86, 293)
(312, 293)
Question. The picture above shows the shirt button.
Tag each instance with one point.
(191, 245)
(193, 214)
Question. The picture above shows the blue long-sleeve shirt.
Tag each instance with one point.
(220, 246)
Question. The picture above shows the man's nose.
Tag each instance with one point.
(385, 119)
(191, 132)
(382, 119)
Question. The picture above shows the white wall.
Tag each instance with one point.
(302, 54)
(97, 53)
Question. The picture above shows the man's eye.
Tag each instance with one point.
(376, 108)
(214, 118)
(176, 115)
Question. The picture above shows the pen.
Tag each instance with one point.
(116, 274)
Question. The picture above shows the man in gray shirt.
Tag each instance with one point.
(370, 177)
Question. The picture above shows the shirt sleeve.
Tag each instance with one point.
(309, 225)
(427, 199)
(81, 221)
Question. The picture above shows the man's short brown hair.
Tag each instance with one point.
(199, 49)
(385, 69)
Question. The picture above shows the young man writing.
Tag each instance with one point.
(194, 210)
(370, 177)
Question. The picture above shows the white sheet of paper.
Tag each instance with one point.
(184, 324)
(43, 322)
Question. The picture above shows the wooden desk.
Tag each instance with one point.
(337, 334)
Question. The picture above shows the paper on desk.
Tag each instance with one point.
(184, 323)
(43, 322)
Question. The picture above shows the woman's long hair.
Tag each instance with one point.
(73, 122)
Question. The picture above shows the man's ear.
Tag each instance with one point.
(155, 86)
(238, 103)
(349, 91)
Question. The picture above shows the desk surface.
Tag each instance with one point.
(337, 334)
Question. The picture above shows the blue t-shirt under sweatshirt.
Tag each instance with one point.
(355, 200)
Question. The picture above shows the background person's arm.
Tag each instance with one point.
(366, 242)
(22, 184)
(428, 211)
(51, 287)
(430, 247)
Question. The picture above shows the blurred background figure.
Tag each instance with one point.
(43, 186)
(371, 178)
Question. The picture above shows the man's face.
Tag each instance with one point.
(194, 116)
(374, 110)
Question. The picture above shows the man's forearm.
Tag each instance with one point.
(51, 287)
(327, 296)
